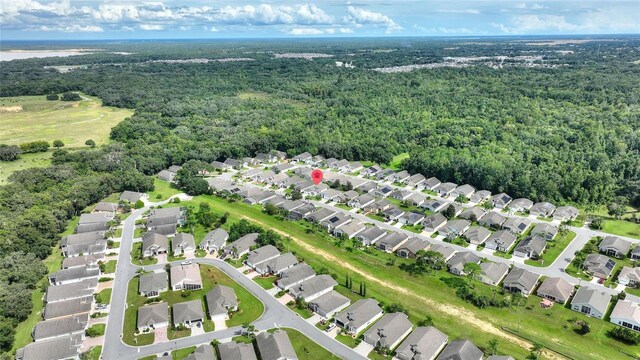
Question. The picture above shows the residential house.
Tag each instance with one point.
(382, 191)
(520, 281)
(445, 189)
(186, 277)
(154, 244)
(332, 195)
(520, 205)
(318, 160)
(202, 352)
(411, 218)
(431, 183)
(329, 304)
(454, 228)
(241, 246)
(465, 190)
(370, 235)
(260, 197)
(416, 198)
(359, 316)
(434, 222)
(361, 201)
(73, 275)
(635, 253)
(415, 180)
(107, 207)
(457, 262)
(167, 175)
(566, 213)
(217, 165)
(531, 247)
(598, 265)
(277, 179)
(476, 235)
(472, 214)
(220, 301)
(154, 316)
(132, 196)
(501, 240)
(424, 343)
(388, 332)
(64, 326)
(353, 167)
(371, 170)
(236, 351)
(277, 264)
(444, 250)
(400, 194)
(480, 196)
(319, 215)
(400, 177)
(282, 167)
(275, 346)
(501, 201)
(615, 246)
(67, 307)
(411, 247)
(392, 213)
(70, 291)
(349, 230)
(366, 186)
(492, 220)
(152, 284)
(629, 276)
(516, 225)
(542, 209)
(90, 261)
(60, 348)
(219, 185)
(233, 164)
(546, 231)
(555, 289)
(492, 273)
(330, 162)
(461, 350)
(214, 240)
(183, 243)
(591, 302)
(391, 241)
(313, 288)
(188, 313)
(262, 254)
(301, 212)
(336, 221)
(294, 276)
(626, 313)
(165, 221)
(340, 165)
(376, 207)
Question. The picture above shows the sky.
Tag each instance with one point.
(167, 19)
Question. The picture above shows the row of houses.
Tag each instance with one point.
(268, 345)
(154, 244)
(69, 298)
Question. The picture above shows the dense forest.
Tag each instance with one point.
(564, 127)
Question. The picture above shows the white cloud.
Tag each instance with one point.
(72, 28)
(305, 31)
(151, 27)
(458, 11)
(345, 30)
(360, 16)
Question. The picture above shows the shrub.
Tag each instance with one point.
(70, 96)
(53, 97)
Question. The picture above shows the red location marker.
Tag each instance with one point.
(316, 176)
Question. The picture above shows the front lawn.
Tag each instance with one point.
(162, 190)
(304, 312)
(306, 348)
(265, 282)
(109, 267)
(347, 340)
(554, 249)
(96, 330)
(92, 354)
(134, 301)
(104, 297)
(182, 353)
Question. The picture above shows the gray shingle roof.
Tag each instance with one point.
(295, 274)
(329, 302)
(60, 326)
(236, 351)
(494, 271)
(70, 291)
(389, 329)
(68, 307)
(522, 279)
(422, 344)
(262, 254)
(597, 299)
(58, 348)
(312, 286)
(183, 241)
(359, 312)
(461, 350)
(220, 299)
(216, 238)
(556, 287)
(278, 264)
(153, 281)
(187, 311)
(202, 352)
(149, 315)
(275, 346)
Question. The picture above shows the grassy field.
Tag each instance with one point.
(265, 282)
(397, 160)
(93, 353)
(29, 118)
(162, 190)
(249, 308)
(622, 228)
(306, 349)
(182, 353)
(104, 296)
(426, 295)
(26, 161)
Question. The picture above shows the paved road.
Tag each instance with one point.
(275, 314)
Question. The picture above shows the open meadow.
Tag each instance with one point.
(30, 118)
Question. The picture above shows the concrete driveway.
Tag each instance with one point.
(160, 335)
(197, 330)
(284, 300)
(363, 348)
(220, 324)
(314, 319)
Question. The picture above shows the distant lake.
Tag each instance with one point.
(29, 54)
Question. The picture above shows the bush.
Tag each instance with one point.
(9, 152)
(625, 335)
(34, 146)
(139, 204)
(71, 96)
(176, 200)
(90, 143)
(53, 97)
(58, 144)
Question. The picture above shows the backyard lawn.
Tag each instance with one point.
(554, 249)
(136, 254)
(162, 190)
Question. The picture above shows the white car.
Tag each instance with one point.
(187, 262)
(330, 327)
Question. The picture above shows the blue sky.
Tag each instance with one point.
(116, 19)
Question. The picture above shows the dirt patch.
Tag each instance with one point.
(16, 108)
(459, 313)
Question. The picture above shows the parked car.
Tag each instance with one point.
(331, 326)
(186, 262)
